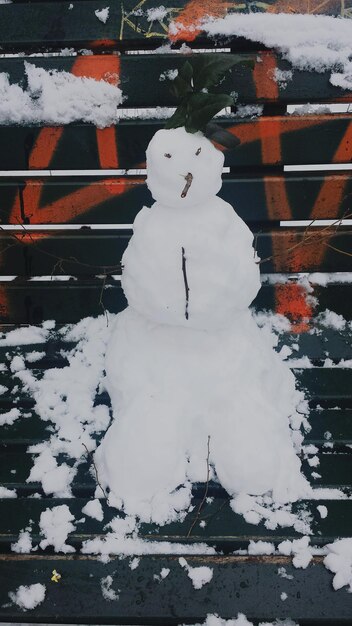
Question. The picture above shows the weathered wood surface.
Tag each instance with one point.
(32, 302)
(54, 25)
(117, 200)
(266, 141)
(87, 252)
(142, 599)
(254, 84)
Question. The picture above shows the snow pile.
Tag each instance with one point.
(55, 524)
(122, 539)
(199, 576)
(65, 398)
(339, 561)
(94, 509)
(9, 417)
(102, 14)
(196, 389)
(24, 543)
(107, 590)
(28, 597)
(241, 620)
(53, 97)
(309, 42)
(7, 493)
(256, 509)
(300, 549)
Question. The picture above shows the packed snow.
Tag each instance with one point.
(55, 525)
(190, 274)
(106, 588)
(339, 561)
(102, 14)
(94, 509)
(23, 545)
(309, 42)
(54, 97)
(241, 620)
(300, 549)
(199, 576)
(28, 597)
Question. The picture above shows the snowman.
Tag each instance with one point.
(194, 383)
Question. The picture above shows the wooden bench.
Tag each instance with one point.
(264, 194)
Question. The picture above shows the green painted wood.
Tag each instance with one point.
(142, 599)
(54, 25)
(117, 200)
(31, 429)
(335, 471)
(32, 302)
(298, 140)
(248, 82)
(87, 252)
(222, 524)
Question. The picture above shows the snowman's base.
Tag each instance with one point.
(172, 388)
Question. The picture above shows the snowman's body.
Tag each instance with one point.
(186, 360)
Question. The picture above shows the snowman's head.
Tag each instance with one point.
(184, 169)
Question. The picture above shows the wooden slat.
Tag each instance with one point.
(23, 302)
(142, 599)
(245, 80)
(222, 524)
(297, 140)
(88, 252)
(55, 25)
(117, 200)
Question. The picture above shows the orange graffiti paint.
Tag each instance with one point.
(292, 302)
(189, 20)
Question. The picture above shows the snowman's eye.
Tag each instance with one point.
(198, 151)
(167, 155)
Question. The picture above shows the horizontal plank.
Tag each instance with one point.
(29, 430)
(249, 82)
(32, 302)
(88, 252)
(57, 26)
(222, 525)
(142, 599)
(335, 471)
(117, 200)
(265, 141)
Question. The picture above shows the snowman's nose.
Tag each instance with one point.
(189, 180)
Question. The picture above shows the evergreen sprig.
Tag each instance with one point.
(191, 86)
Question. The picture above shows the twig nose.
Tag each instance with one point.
(189, 180)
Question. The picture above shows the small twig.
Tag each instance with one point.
(90, 455)
(205, 493)
(184, 271)
(101, 303)
(189, 180)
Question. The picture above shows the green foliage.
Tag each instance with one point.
(197, 75)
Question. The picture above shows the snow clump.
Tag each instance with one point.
(28, 597)
(339, 561)
(199, 576)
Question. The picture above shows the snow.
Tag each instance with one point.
(54, 97)
(7, 493)
(259, 508)
(260, 547)
(323, 511)
(122, 539)
(300, 549)
(106, 589)
(156, 13)
(94, 509)
(55, 525)
(199, 576)
(283, 596)
(330, 319)
(283, 574)
(134, 563)
(24, 335)
(24, 543)
(9, 417)
(35, 355)
(165, 571)
(241, 620)
(28, 597)
(339, 561)
(308, 42)
(190, 274)
(102, 14)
